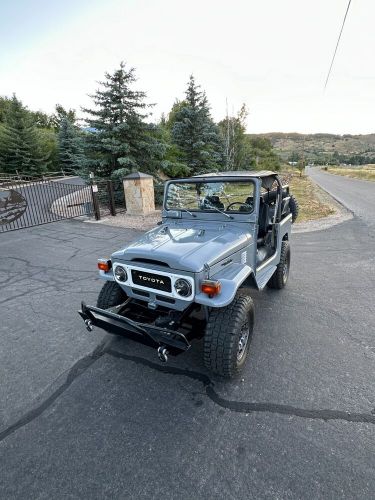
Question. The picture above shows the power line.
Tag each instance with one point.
(337, 44)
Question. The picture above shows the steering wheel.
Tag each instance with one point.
(247, 205)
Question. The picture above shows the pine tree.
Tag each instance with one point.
(119, 140)
(62, 114)
(71, 149)
(171, 164)
(196, 134)
(20, 146)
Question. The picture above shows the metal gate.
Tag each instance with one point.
(109, 198)
(27, 201)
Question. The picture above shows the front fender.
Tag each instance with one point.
(107, 276)
(231, 278)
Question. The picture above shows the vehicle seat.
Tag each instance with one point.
(263, 218)
(214, 201)
(249, 200)
(270, 196)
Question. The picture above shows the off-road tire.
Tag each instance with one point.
(280, 276)
(294, 207)
(110, 295)
(223, 334)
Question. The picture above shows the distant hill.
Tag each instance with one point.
(323, 148)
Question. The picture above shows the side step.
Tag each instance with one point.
(263, 277)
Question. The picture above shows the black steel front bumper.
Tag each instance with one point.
(175, 342)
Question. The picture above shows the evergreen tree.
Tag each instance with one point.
(171, 164)
(196, 134)
(120, 141)
(42, 120)
(4, 107)
(20, 146)
(71, 150)
(62, 114)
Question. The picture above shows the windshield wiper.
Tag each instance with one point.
(188, 211)
(220, 211)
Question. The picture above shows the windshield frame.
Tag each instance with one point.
(213, 179)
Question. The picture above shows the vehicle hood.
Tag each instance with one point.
(187, 249)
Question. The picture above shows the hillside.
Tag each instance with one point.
(323, 148)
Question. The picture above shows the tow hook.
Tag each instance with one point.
(163, 354)
(88, 325)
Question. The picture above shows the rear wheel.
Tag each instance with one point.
(280, 276)
(294, 207)
(110, 295)
(228, 335)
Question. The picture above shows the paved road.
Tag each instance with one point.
(92, 416)
(357, 195)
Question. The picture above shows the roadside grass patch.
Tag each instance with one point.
(366, 173)
(310, 199)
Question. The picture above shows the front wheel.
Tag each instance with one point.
(110, 295)
(228, 335)
(280, 276)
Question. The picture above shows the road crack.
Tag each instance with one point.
(245, 407)
(76, 370)
(236, 406)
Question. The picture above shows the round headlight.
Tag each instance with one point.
(183, 287)
(120, 274)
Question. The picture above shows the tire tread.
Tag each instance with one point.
(276, 281)
(220, 340)
(110, 295)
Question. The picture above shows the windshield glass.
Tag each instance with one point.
(233, 196)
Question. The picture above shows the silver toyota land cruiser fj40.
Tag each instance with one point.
(221, 235)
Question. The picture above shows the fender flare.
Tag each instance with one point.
(231, 278)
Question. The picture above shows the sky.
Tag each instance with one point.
(272, 55)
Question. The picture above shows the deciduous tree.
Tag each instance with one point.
(236, 150)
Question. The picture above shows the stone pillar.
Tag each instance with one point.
(139, 194)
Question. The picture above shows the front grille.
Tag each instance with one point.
(165, 299)
(150, 280)
(140, 292)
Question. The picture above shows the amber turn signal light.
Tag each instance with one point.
(104, 265)
(211, 287)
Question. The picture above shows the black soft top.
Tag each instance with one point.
(268, 177)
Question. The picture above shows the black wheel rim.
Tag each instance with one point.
(286, 269)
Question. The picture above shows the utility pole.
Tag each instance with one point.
(227, 138)
(303, 151)
(303, 155)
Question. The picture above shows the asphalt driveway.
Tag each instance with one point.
(93, 416)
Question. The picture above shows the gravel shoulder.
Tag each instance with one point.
(341, 213)
(124, 220)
